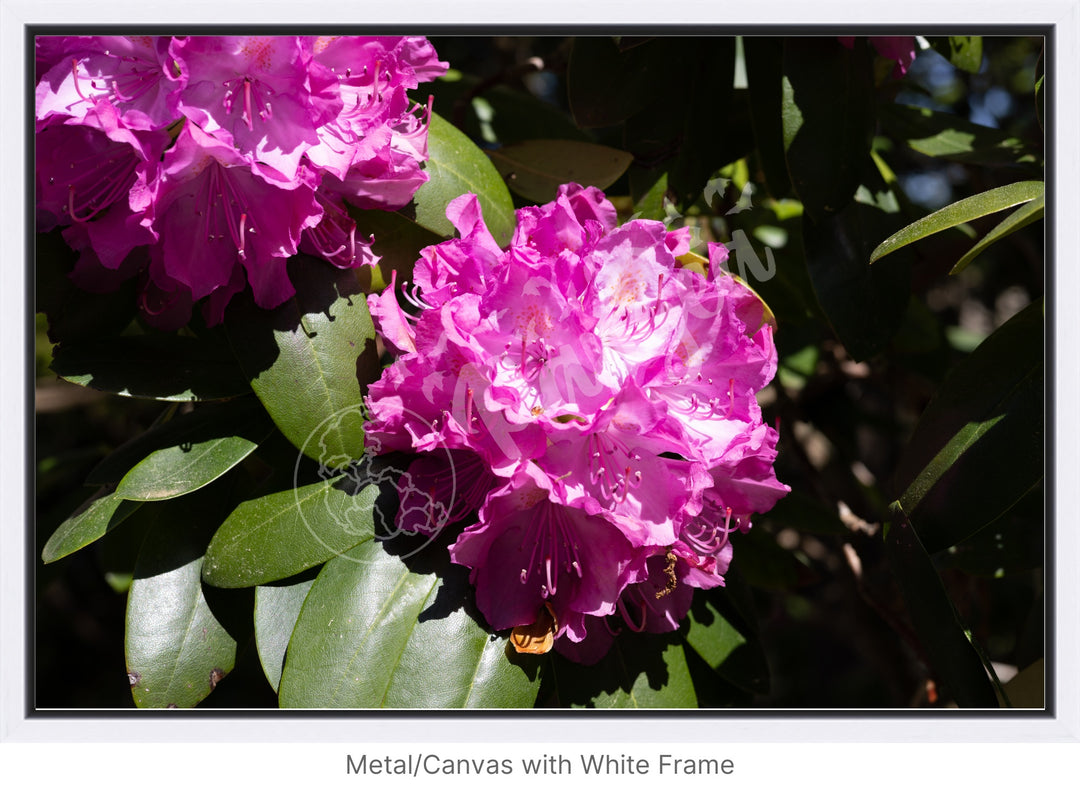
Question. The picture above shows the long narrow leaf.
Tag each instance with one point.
(1021, 217)
(973, 207)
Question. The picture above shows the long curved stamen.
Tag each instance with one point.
(119, 94)
(75, 79)
(71, 207)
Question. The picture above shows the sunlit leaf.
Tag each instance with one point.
(979, 446)
(89, 523)
(277, 607)
(306, 359)
(456, 166)
(965, 210)
(374, 634)
(282, 534)
(1026, 214)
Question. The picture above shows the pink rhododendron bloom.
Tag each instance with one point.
(601, 399)
(129, 73)
(208, 161)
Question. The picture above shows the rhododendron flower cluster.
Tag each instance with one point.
(202, 163)
(593, 402)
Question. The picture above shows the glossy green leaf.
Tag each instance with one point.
(764, 74)
(168, 368)
(1026, 214)
(963, 52)
(640, 671)
(207, 421)
(979, 446)
(306, 359)
(828, 120)
(945, 135)
(456, 166)
(535, 169)
(90, 522)
(182, 468)
(965, 210)
(375, 634)
(277, 607)
(282, 534)
(177, 649)
(946, 640)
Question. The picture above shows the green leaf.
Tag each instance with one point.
(177, 649)
(979, 446)
(167, 368)
(90, 522)
(640, 671)
(456, 166)
(944, 135)
(282, 534)
(965, 210)
(277, 607)
(718, 634)
(308, 357)
(1026, 214)
(535, 169)
(194, 462)
(828, 120)
(765, 78)
(206, 422)
(946, 640)
(375, 634)
(963, 52)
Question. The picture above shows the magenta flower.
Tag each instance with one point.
(601, 398)
(214, 214)
(127, 72)
(264, 95)
(203, 163)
